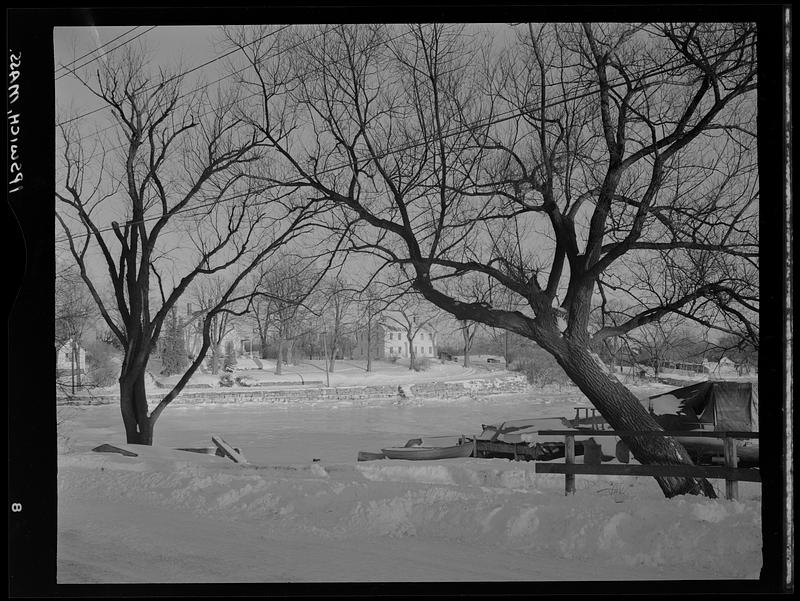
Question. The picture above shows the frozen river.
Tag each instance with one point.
(295, 433)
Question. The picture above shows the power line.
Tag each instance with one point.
(96, 49)
(178, 75)
(210, 111)
(197, 89)
(73, 69)
(481, 123)
(502, 117)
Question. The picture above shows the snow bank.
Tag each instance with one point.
(486, 504)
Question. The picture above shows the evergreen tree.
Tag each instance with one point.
(230, 357)
(174, 359)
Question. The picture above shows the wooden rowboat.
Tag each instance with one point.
(419, 453)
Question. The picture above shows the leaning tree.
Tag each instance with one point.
(570, 164)
(161, 198)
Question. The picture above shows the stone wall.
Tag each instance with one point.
(311, 394)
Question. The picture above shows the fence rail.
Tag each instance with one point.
(651, 433)
(730, 473)
(686, 471)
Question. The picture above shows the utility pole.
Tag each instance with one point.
(325, 360)
(72, 363)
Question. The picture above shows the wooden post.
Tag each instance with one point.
(325, 351)
(732, 461)
(569, 457)
(72, 363)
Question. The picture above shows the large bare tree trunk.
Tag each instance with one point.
(133, 404)
(369, 349)
(279, 359)
(623, 411)
(332, 358)
(465, 334)
(216, 351)
(411, 354)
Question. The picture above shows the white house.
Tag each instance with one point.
(719, 368)
(393, 342)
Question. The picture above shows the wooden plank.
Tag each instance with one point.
(228, 451)
(110, 448)
(686, 471)
(731, 462)
(620, 433)
(206, 450)
(592, 453)
(569, 457)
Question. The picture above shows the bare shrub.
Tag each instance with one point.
(540, 371)
(102, 364)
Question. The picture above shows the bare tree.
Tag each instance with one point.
(468, 330)
(208, 293)
(282, 298)
(661, 341)
(174, 202)
(263, 317)
(737, 348)
(570, 161)
(338, 301)
(75, 312)
(370, 303)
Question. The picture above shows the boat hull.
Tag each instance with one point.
(428, 453)
(368, 456)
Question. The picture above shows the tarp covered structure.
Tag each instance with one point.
(717, 405)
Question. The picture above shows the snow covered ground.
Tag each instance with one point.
(173, 516)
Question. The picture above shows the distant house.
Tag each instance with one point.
(722, 367)
(746, 366)
(684, 366)
(390, 342)
(65, 360)
(192, 322)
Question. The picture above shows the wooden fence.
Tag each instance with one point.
(730, 473)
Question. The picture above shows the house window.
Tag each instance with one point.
(430, 350)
